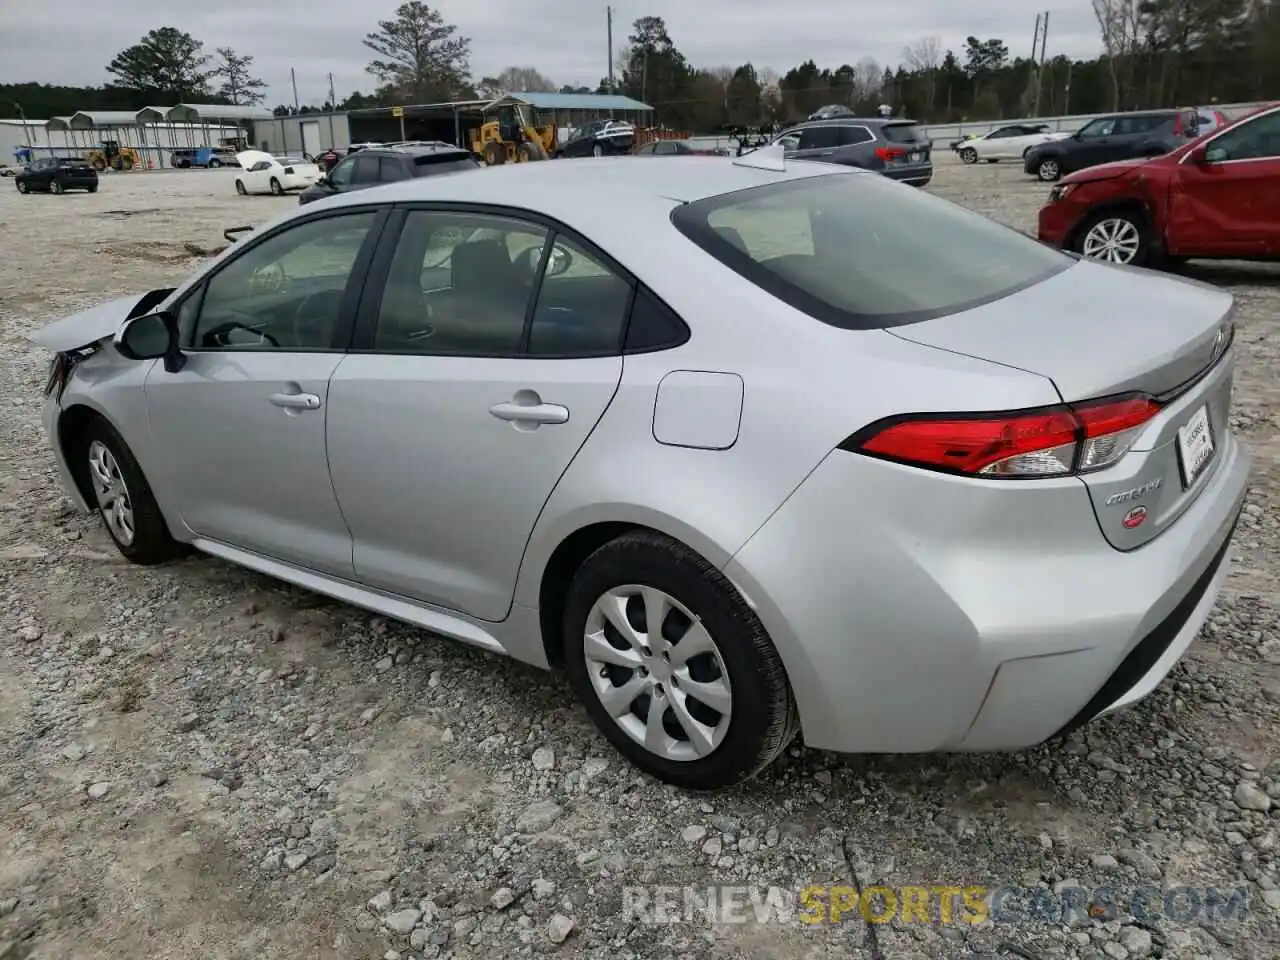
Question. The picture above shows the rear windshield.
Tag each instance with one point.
(71, 161)
(861, 252)
(904, 133)
(430, 164)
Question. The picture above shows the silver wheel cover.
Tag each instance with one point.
(111, 493)
(658, 672)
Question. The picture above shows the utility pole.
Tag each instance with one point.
(293, 78)
(608, 19)
(1039, 67)
(333, 105)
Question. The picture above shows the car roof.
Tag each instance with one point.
(842, 121)
(417, 150)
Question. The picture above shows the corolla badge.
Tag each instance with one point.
(1126, 496)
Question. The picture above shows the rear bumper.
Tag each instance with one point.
(78, 183)
(917, 174)
(939, 621)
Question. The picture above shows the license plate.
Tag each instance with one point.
(915, 158)
(1195, 446)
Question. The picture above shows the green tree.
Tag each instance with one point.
(167, 62)
(742, 97)
(239, 85)
(419, 55)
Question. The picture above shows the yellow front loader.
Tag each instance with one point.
(512, 135)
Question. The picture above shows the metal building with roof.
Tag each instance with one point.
(313, 133)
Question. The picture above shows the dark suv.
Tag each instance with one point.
(898, 148)
(374, 166)
(57, 174)
(1117, 136)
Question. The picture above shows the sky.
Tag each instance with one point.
(71, 41)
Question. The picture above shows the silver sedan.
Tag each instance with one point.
(749, 448)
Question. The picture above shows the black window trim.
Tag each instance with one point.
(365, 327)
(357, 279)
(691, 220)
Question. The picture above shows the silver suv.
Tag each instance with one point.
(896, 147)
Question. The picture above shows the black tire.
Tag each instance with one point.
(276, 189)
(763, 720)
(152, 542)
(598, 150)
(1144, 257)
(240, 188)
(495, 154)
(100, 165)
(1049, 169)
(55, 186)
(968, 155)
(215, 163)
(92, 189)
(22, 186)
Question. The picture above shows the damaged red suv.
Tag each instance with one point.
(1217, 197)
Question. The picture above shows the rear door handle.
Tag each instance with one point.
(296, 401)
(535, 413)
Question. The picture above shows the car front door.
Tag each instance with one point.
(1230, 203)
(462, 403)
(1092, 145)
(242, 424)
(995, 145)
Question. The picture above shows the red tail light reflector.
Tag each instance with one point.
(891, 153)
(1046, 442)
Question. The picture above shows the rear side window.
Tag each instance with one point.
(855, 135)
(366, 168)
(390, 168)
(861, 252)
(903, 133)
(818, 138)
(429, 164)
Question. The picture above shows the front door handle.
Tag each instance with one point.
(536, 413)
(296, 401)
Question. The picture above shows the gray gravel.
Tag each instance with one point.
(199, 762)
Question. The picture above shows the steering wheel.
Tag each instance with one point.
(222, 329)
(269, 280)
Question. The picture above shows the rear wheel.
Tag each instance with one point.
(276, 188)
(123, 498)
(214, 163)
(495, 154)
(1115, 236)
(92, 188)
(22, 186)
(598, 150)
(55, 186)
(969, 155)
(240, 189)
(673, 666)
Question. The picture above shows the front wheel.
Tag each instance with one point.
(276, 189)
(240, 188)
(969, 155)
(673, 666)
(598, 150)
(55, 186)
(123, 498)
(1115, 237)
(1049, 170)
(214, 164)
(22, 186)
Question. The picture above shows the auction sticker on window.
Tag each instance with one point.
(1195, 446)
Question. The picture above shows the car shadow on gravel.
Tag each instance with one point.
(1232, 273)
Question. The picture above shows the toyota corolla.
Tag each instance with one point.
(748, 448)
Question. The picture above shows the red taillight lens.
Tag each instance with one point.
(891, 153)
(1048, 442)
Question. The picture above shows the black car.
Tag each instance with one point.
(678, 148)
(1116, 136)
(374, 166)
(56, 175)
(599, 138)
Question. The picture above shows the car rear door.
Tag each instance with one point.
(474, 378)
(818, 142)
(1229, 205)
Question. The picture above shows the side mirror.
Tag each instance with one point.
(151, 336)
(559, 262)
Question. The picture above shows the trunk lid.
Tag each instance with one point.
(1098, 330)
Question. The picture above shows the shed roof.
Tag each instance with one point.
(209, 112)
(87, 119)
(580, 101)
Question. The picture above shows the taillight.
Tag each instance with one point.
(891, 153)
(1046, 442)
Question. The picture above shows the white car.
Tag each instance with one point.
(263, 173)
(1007, 143)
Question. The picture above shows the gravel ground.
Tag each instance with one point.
(199, 762)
